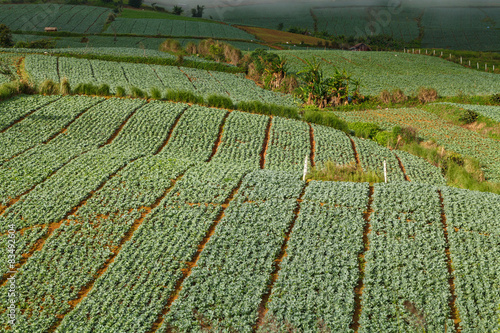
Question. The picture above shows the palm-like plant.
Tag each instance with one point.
(323, 92)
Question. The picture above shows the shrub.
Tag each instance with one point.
(177, 10)
(49, 87)
(9, 89)
(325, 118)
(171, 45)
(385, 96)
(383, 138)
(136, 92)
(426, 95)
(37, 44)
(120, 92)
(135, 3)
(85, 89)
(155, 93)
(495, 99)
(103, 90)
(64, 87)
(220, 101)
(364, 130)
(5, 36)
(184, 96)
(398, 96)
(468, 117)
(191, 48)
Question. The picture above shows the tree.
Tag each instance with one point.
(280, 26)
(332, 91)
(135, 3)
(177, 10)
(5, 36)
(198, 12)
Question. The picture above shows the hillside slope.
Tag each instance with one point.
(143, 216)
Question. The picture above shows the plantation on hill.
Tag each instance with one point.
(169, 213)
(430, 126)
(459, 26)
(146, 77)
(35, 17)
(380, 71)
(153, 185)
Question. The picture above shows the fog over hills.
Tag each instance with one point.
(230, 3)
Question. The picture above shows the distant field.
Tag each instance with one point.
(281, 37)
(465, 28)
(31, 17)
(462, 28)
(124, 42)
(176, 28)
(389, 70)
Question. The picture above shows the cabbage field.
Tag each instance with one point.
(176, 28)
(380, 71)
(136, 215)
(431, 126)
(146, 77)
(488, 111)
(71, 18)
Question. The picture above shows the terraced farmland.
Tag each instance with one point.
(380, 71)
(176, 28)
(430, 126)
(146, 77)
(131, 215)
(35, 17)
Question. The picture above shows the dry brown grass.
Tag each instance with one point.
(396, 96)
(426, 95)
(171, 45)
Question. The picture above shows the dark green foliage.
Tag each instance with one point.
(136, 92)
(64, 87)
(280, 26)
(120, 92)
(103, 90)
(49, 87)
(177, 10)
(468, 117)
(10, 89)
(198, 11)
(327, 91)
(269, 109)
(263, 60)
(219, 101)
(298, 30)
(364, 130)
(85, 89)
(155, 93)
(42, 44)
(184, 96)
(325, 118)
(135, 3)
(5, 36)
(495, 99)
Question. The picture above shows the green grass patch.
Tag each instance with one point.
(330, 171)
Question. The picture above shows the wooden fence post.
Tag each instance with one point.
(385, 171)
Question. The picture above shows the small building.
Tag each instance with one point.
(50, 29)
(360, 47)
